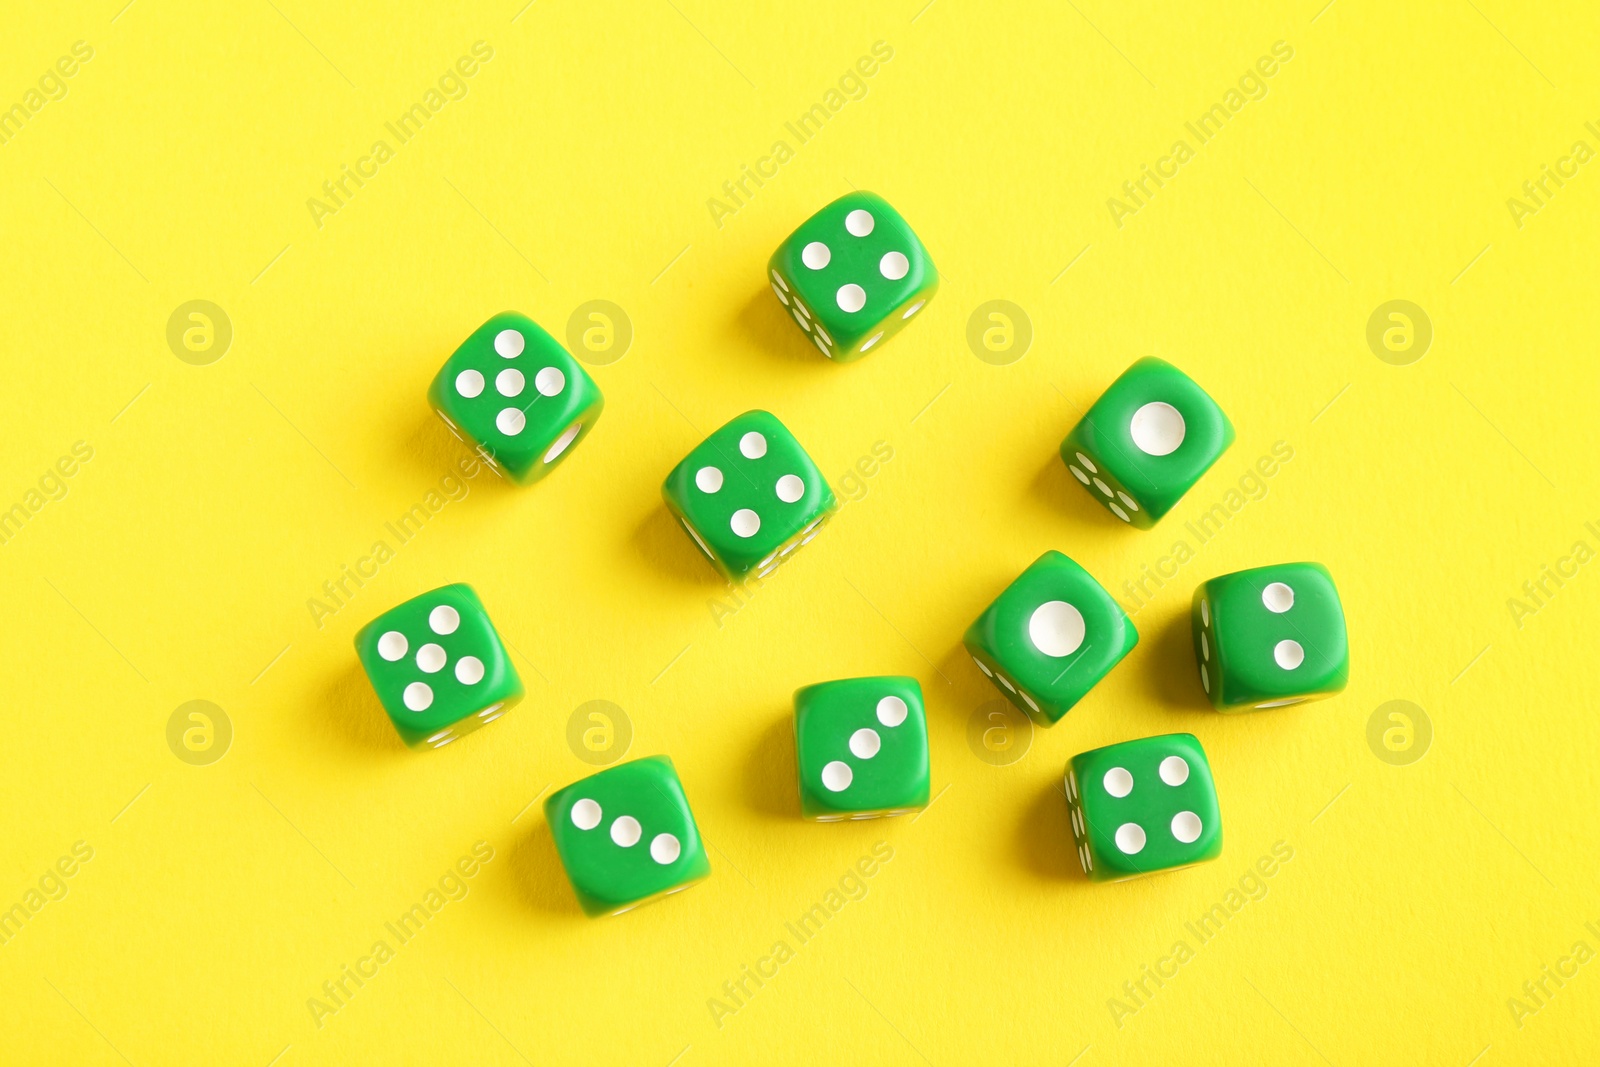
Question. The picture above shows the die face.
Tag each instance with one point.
(1146, 441)
(1050, 637)
(626, 835)
(514, 395)
(861, 748)
(1270, 636)
(438, 666)
(852, 276)
(749, 496)
(1142, 806)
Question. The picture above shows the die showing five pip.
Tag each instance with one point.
(516, 397)
(749, 496)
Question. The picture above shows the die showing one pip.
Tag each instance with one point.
(1050, 637)
(626, 836)
(749, 495)
(514, 395)
(438, 666)
(852, 275)
(1143, 806)
(1146, 441)
(1270, 636)
(861, 748)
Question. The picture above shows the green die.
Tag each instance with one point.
(626, 836)
(852, 275)
(513, 394)
(1050, 637)
(1146, 441)
(438, 666)
(1270, 636)
(1143, 806)
(861, 748)
(749, 495)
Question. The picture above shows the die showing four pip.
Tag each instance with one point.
(749, 496)
(851, 276)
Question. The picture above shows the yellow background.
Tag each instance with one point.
(578, 167)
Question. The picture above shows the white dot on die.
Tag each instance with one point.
(894, 265)
(469, 670)
(1186, 826)
(1133, 505)
(1118, 782)
(586, 814)
(1088, 464)
(784, 300)
(1288, 654)
(1174, 770)
(1157, 428)
(392, 645)
(510, 421)
(508, 382)
(981, 667)
(469, 383)
(913, 309)
(778, 280)
(626, 831)
(509, 343)
(851, 297)
(752, 445)
(1278, 598)
(550, 381)
(1078, 474)
(444, 619)
(801, 319)
(1205, 678)
(664, 848)
(1056, 628)
(892, 710)
(864, 743)
(1130, 838)
(859, 222)
(1118, 512)
(1205, 646)
(418, 696)
(430, 658)
(1205, 612)
(790, 488)
(708, 479)
(836, 776)
(562, 442)
(1102, 486)
(815, 255)
(745, 522)
(869, 342)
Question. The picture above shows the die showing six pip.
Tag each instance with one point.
(851, 277)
